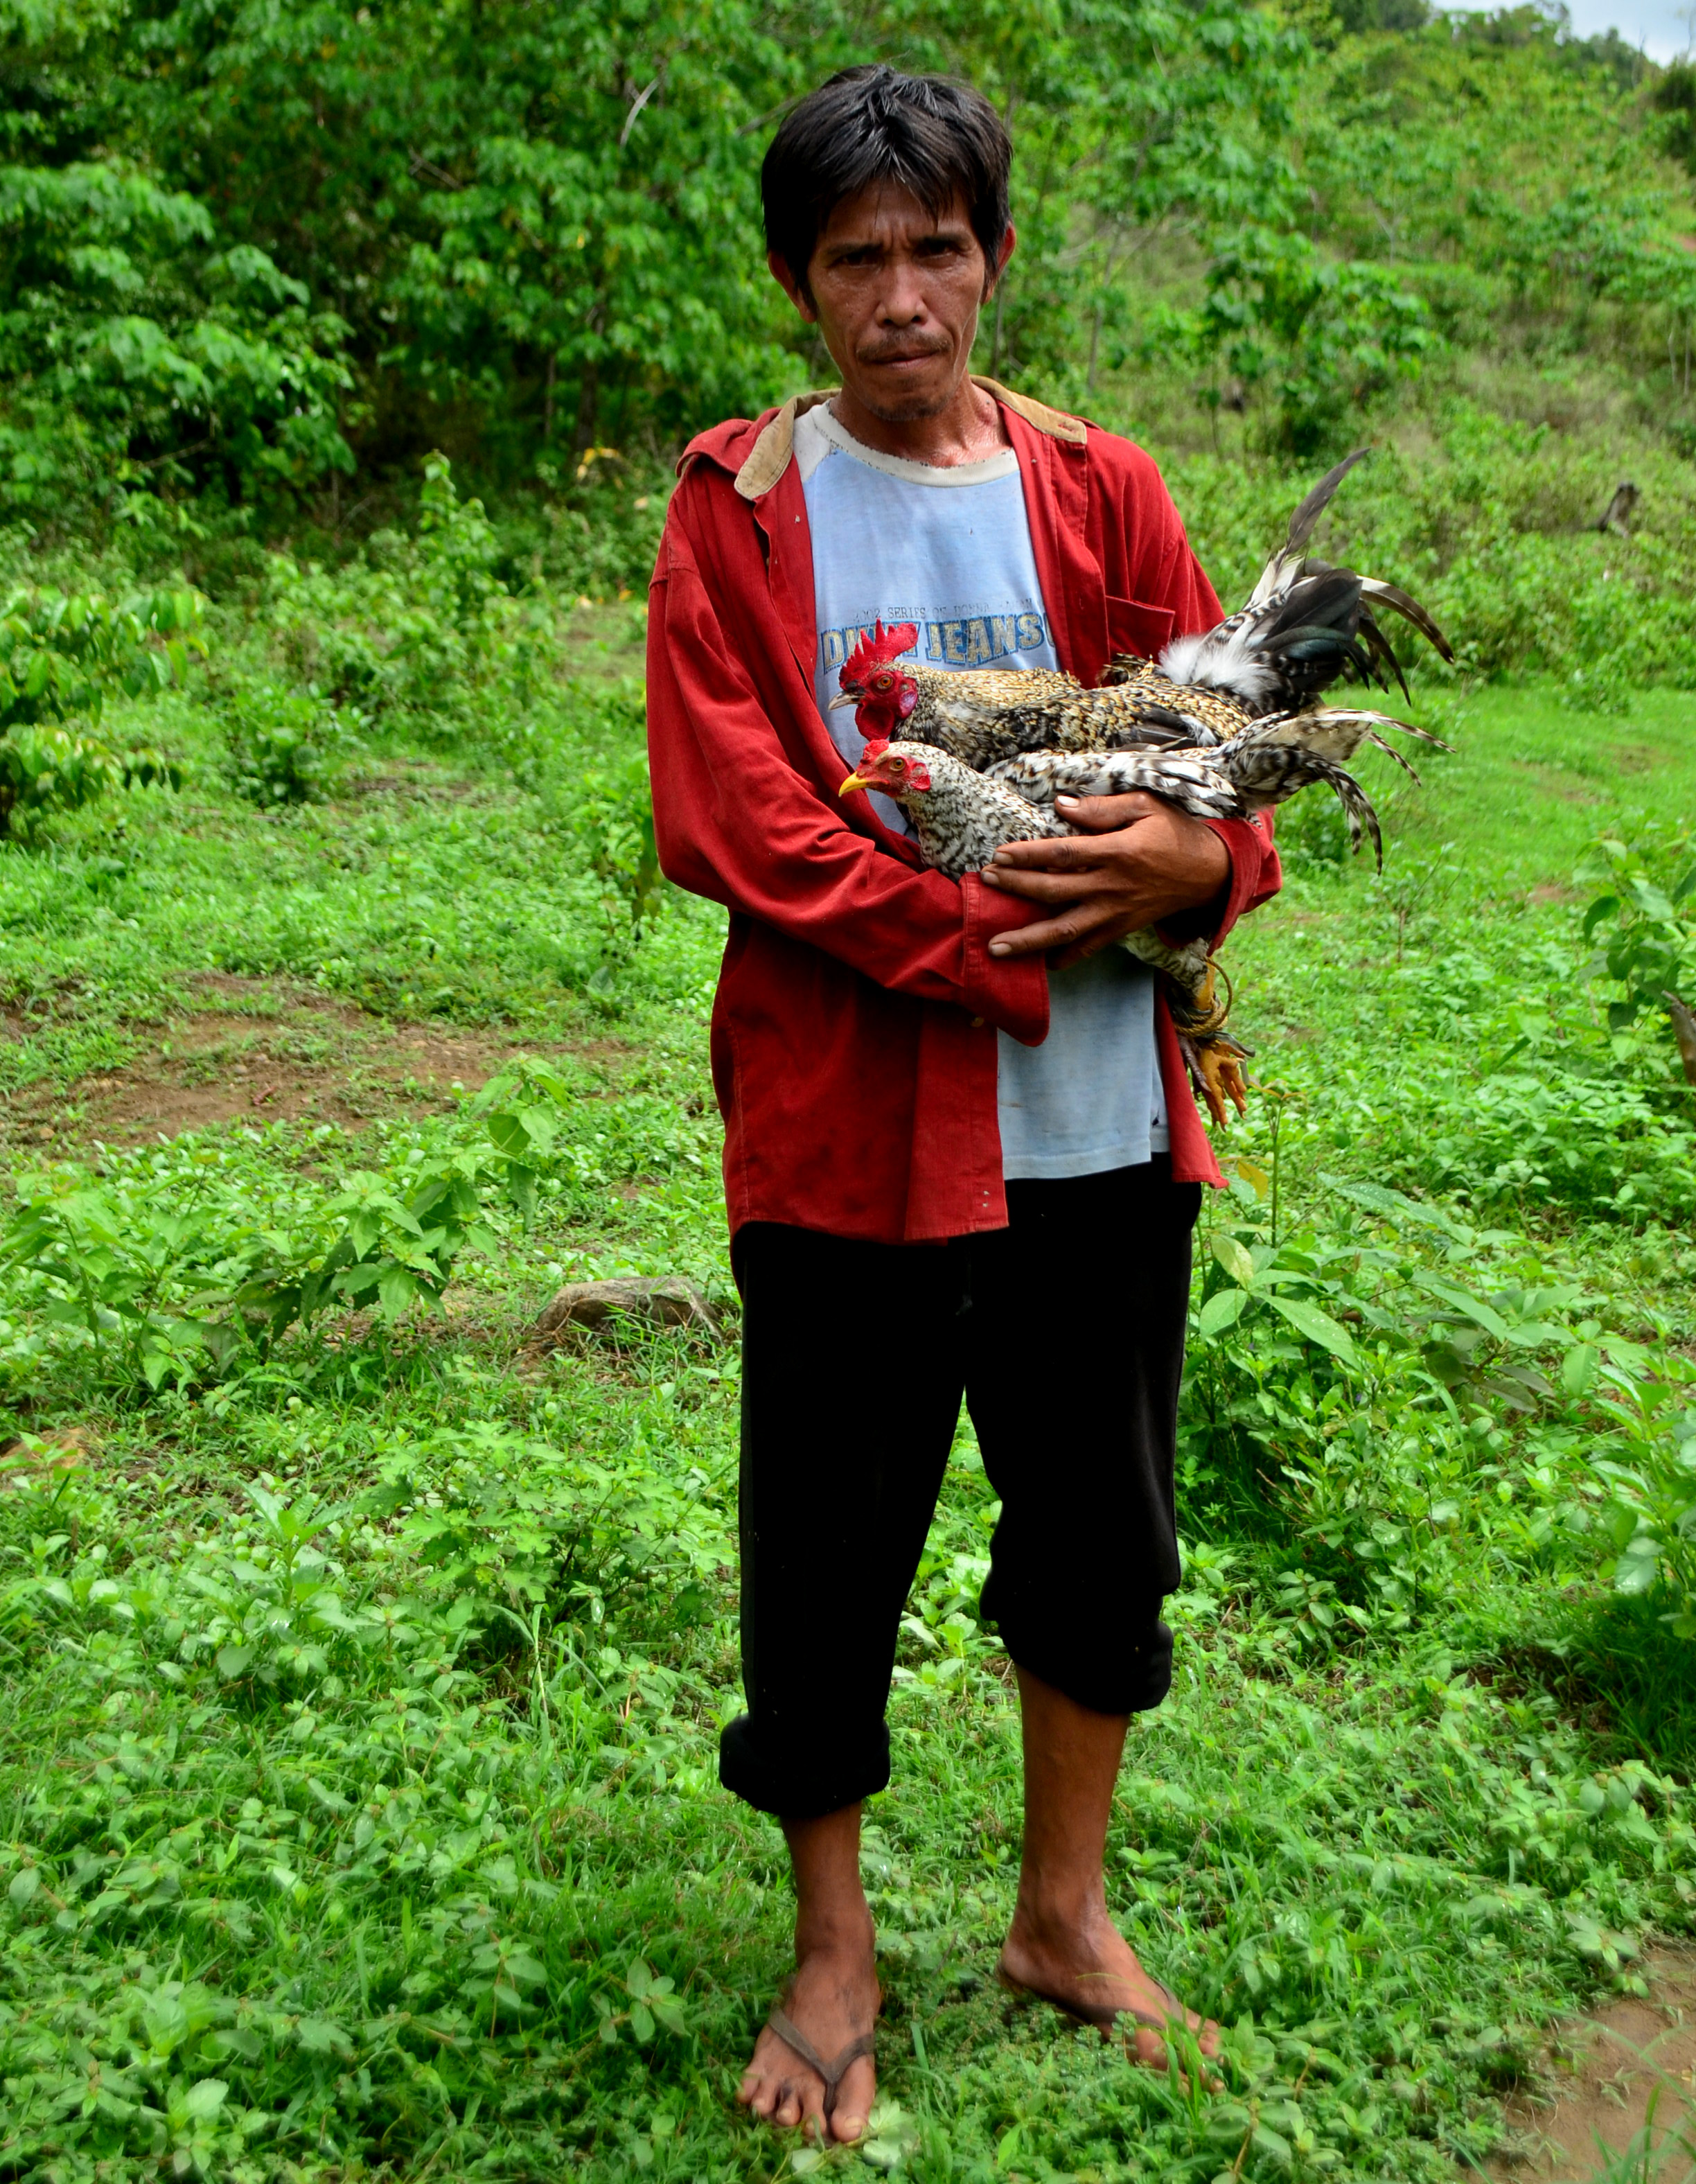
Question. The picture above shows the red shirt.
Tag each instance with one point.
(853, 1044)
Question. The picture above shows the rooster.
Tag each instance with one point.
(1223, 726)
(1305, 624)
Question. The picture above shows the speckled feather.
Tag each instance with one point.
(961, 818)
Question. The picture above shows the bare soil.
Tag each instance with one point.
(260, 1050)
(1620, 2082)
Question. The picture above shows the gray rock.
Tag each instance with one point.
(601, 1310)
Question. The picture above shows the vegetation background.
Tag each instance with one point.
(362, 1660)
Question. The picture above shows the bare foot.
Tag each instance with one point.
(832, 1999)
(1084, 1963)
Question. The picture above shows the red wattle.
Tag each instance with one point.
(877, 718)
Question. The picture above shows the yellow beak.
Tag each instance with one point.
(853, 782)
(844, 698)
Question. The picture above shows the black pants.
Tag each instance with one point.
(1064, 1332)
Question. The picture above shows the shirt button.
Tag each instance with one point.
(977, 1023)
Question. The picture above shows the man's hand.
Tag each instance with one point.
(1140, 861)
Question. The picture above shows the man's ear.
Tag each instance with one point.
(796, 291)
(999, 267)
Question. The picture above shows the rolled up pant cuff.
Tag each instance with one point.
(802, 1786)
(1126, 1679)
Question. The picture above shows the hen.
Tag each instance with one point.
(1224, 726)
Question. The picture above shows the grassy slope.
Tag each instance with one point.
(1381, 1869)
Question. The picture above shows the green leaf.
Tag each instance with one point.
(1604, 906)
(1638, 1566)
(1578, 1367)
(205, 2098)
(321, 2035)
(1316, 1326)
(1234, 1258)
(396, 1289)
(1469, 1308)
(1223, 1309)
(1651, 901)
(25, 1885)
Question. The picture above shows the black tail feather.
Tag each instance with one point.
(1408, 608)
(1303, 521)
(1382, 652)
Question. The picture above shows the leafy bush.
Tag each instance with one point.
(521, 1527)
(1343, 1389)
(1319, 338)
(1649, 1465)
(283, 746)
(596, 795)
(1491, 525)
(135, 356)
(1646, 917)
(1519, 1137)
(1313, 833)
(418, 624)
(63, 654)
(174, 1276)
(44, 770)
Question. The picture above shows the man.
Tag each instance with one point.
(961, 1156)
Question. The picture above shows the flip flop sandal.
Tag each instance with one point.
(831, 2073)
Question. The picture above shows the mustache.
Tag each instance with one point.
(903, 348)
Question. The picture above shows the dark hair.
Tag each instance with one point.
(939, 139)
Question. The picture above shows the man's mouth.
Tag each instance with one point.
(904, 355)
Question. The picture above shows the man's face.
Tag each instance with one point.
(896, 290)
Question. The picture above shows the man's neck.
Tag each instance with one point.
(970, 430)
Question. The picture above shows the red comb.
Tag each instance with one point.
(874, 749)
(878, 650)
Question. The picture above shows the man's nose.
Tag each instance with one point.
(903, 301)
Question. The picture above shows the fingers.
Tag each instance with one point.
(1041, 886)
(1059, 855)
(1076, 933)
(1106, 814)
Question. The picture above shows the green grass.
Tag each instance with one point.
(361, 1853)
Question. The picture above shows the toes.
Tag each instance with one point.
(788, 2112)
(854, 2103)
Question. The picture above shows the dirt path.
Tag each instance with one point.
(1603, 2073)
(258, 1049)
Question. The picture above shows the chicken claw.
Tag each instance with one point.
(1216, 1067)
